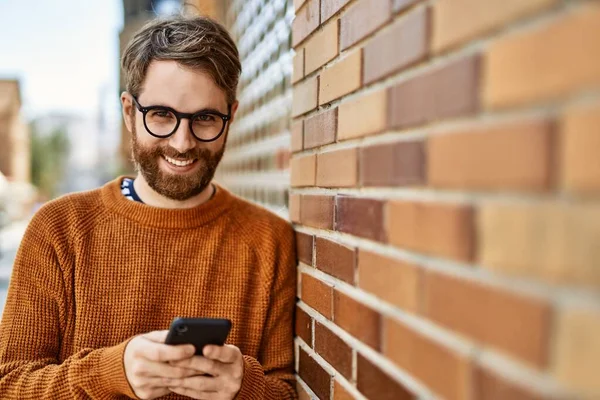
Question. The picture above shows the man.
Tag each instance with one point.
(101, 274)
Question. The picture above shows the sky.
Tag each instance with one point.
(64, 52)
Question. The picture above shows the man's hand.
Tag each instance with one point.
(225, 368)
(147, 364)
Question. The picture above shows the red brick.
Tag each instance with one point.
(303, 326)
(303, 171)
(443, 230)
(336, 259)
(417, 354)
(362, 19)
(548, 62)
(317, 295)
(294, 207)
(338, 168)
(297, 136)
(508, 156)
(314, 375)
(305, 96)
(449, 91)
(317, 211)
(397, 164)
(320, 129)
(306, 21)
(334, 350)
(405, 43)
(357, 319)
(360, 217)
(340, 393)
(376, 384)
(330, 8)
(394, 281)
(491, 386)
(304, 246)
(578, 151)
(513, 323)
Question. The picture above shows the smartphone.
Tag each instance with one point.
(199, 332)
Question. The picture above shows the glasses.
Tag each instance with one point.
(162, 122)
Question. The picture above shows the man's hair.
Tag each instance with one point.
(198, 43)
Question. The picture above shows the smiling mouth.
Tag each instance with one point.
(178, 163)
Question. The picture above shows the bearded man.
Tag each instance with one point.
(100, 274)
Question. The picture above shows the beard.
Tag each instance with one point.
(175, 186)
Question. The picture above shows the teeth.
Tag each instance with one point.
(178, 163)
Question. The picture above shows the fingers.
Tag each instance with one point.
(200, 365)
(195, 383)
(162, 370)
(160, 352)
(227, 354)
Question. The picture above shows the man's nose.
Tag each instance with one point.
(183, 139)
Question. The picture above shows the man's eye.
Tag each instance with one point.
(161, 114)
(206, 118)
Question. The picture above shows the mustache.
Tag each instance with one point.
(192, 154)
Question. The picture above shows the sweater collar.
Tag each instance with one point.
(169, 218)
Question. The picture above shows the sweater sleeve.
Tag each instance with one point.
(33, 320)
(271, 376)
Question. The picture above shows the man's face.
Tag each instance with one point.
(169, 84)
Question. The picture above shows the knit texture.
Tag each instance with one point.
(95, 269)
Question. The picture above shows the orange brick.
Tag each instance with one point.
(579, 144)
(375, 383)
(513, 323)
(391, 280)
(456, 21)
(297, 136)
(551, 61)
(298, 65)
(340, 393)
(417, 354)
(305, 96)
(317, 211)
(303, 170)
(342, 78)
(294, 207)
(361, 19)
(489, 385)
(314, 375)
(577, 350)
(554, 242)
(337, 168)
(365, 115)
(444, 230)
(306, 21)
(322, 47)
(302, 393)
(509, 156)
(357, 319)
(317, 294)
(298, 4)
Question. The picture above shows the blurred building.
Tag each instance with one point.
(14, 134)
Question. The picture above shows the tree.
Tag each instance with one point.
(49, 153)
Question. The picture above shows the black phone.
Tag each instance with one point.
(199, 332)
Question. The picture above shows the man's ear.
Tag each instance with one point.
(234, 108)
(127, 107)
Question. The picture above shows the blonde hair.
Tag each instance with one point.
(198, 43)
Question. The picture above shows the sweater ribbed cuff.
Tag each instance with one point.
(253, 383)
(112, 371)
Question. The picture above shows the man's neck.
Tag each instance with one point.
(151, 198)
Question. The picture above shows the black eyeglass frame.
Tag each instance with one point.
(180, 116)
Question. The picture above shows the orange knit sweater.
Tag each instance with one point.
(95, 269)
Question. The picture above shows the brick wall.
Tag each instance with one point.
(445, 181)
(256, 163)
